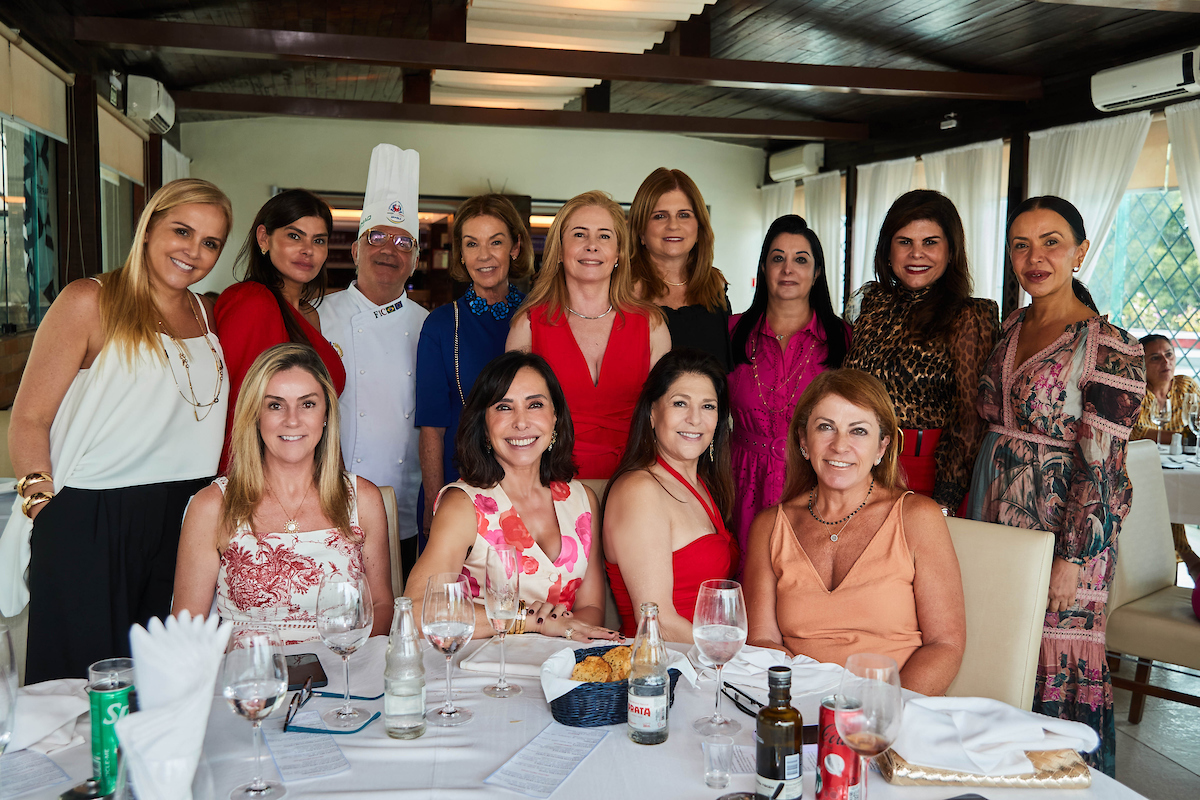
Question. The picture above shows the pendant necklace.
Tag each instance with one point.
(292, 525)
(833, 537)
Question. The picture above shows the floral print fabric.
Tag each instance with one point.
(542, 579)
(1054, 460)
(274, 577)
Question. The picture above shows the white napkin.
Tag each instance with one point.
(523, 655)
(47, 714)
(175, 669)
(556, 672)
(809, 676)
(980, 736)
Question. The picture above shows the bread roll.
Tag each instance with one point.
(592, 669)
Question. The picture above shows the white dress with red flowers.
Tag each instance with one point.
(274, 577)
(542, 580)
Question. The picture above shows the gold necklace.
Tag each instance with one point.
(292, 524)
(194, 401)
(804, 359)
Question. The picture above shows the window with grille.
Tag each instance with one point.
(1148, 276)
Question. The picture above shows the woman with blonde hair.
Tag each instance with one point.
(671, 252)
(851, 561)
(119, 419)
(584, 318)
(263, 536)
(491, 249)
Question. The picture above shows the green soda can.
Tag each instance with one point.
(110, 683)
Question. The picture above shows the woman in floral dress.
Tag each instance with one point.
(1061, 392)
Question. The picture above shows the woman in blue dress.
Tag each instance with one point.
(491, 247)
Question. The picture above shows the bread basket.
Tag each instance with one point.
(591, 705)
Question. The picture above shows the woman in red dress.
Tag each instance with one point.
(665, 512)
(584, 319)
(283, 259)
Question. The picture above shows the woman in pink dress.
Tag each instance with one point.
(786, 338)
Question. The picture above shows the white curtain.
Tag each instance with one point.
(972, 177)
(823, 206)
(778, 199)
(879, 185)
(175, 164)
(1183, 131)
(1090, 165)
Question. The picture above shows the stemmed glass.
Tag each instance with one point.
(501, 594)
(344, 619)
(1161, 416)
(719, 629)
(868, 707)
(1191, 418)
(8, 688)
(448, 620)
(254, 681)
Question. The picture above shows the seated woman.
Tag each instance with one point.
(851, 562)
(656, 550)
(513, 450)
(285, 515)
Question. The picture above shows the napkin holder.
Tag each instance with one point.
(1053, 769)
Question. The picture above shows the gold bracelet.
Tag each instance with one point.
(31, 478)
(519, 625)
(35, 499)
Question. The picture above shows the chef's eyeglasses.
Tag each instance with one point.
(300, 698)
(403, 242)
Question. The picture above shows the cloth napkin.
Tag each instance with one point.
(47, 714)
(523, 655)
(175, 669)
(809, 676)
(980, 736)
(556, 672)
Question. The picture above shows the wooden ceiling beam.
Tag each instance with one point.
(419, 54)
(1183, 6)
(222, 102)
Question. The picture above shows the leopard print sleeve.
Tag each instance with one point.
(972, 341)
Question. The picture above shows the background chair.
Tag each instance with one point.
(1148, 615)
(1006, 583)
(389, 508)
(612, 619)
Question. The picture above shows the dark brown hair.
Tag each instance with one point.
(935, 315)
(1071, 215)
(477, 465)
(500, 207)
(641, 448)
(861, 389)
(706, 284)
(281, 210)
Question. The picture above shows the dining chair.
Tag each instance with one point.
(1006, 581)
(1149, 617)
(389, 509)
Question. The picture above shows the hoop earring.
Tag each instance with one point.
(553, 439)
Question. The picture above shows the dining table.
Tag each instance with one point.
(452, 763)
(1181, 477)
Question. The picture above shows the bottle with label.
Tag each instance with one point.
(778, 740)
(404, 676)
(649, 686)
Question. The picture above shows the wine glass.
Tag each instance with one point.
(254, 681)
(1161, 416)
(1193, 423)
(501, 593)
(8, 688)
(867, 709)
(719, 629)
(448, 620)
(344, 619)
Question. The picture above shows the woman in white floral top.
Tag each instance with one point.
(513, 451)
(285, 515)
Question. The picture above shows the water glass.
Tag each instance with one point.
(718, 760)
(448, 620)
(254, 681)
(344, 619)
(8, 688)
(719, 630)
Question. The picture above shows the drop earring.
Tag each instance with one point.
(553, 439)
(264, 250)
(487, 445)
(804, 452)
(712, 451)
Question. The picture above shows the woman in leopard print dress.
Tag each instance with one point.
(919, 331)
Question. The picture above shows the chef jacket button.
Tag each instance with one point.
(358, 461)
(409, 414)
(360, 330)
(362, 372)
(362, 413)
(409, 372)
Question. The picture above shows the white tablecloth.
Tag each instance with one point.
(1183, 489)
(449, 763)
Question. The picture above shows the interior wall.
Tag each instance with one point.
(247, 157)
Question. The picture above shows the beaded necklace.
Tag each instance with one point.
(805, 357)
(500, 311)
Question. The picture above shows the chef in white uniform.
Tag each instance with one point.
(375, 327)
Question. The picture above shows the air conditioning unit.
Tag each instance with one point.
(1147, 82)
(799, 162)
(146, 99)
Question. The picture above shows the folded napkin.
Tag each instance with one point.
(523, 655)
(47, 714)
(175, 669)
(809, 676)
(556, 672)
(980, 736)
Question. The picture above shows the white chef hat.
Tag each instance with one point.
(391, 196)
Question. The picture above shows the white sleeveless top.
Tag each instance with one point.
(123, 424)
(274, 577)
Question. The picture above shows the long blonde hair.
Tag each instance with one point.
(247, 481)
(128, 313)
(550, 287)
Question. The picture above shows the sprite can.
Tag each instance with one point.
(110, 684)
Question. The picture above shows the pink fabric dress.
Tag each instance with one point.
(762, 406)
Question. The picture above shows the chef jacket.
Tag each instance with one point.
(378, 345)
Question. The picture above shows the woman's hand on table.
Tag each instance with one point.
(551, 619)
(1064, 582)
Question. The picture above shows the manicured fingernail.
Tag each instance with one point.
(554, 616)
(539, 620)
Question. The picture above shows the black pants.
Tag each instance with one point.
(100, 561)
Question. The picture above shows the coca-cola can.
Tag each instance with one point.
(838, 774)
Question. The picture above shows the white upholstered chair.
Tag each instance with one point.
(1149, 617)
(389, 509)
(1006, 582)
